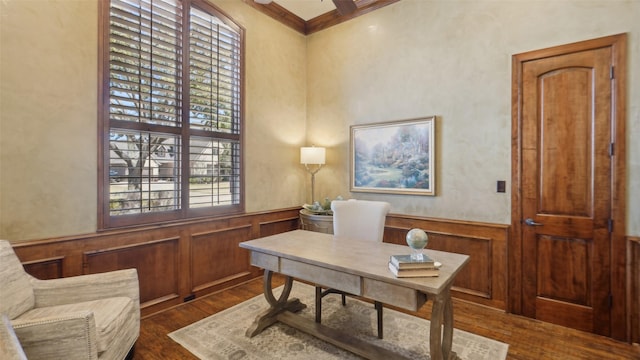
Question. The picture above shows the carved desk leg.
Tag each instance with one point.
(276, 306)
(440, 339)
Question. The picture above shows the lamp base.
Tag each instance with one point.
(313, 180)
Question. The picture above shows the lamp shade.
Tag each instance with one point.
(312, 155)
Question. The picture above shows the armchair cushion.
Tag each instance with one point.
(109, 314)
(65, 336)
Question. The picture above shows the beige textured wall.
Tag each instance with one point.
(48, 115)
(48, 127)
(410, 59)
(453, 59)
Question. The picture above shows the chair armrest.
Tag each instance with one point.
(71, 336)
(86, 288)
(10, 347)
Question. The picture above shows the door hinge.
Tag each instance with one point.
(612, 149)
(612, 73)
(610, 301)
(610, 225)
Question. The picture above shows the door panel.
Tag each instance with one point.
(566, 184)
(563, 278)
(564, 151)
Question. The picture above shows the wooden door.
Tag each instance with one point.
(565, 186)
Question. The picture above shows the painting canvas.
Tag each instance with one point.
(394, 157)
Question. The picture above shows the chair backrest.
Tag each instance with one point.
(359, 219)
(16, 292)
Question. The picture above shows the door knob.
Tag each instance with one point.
(530, 222)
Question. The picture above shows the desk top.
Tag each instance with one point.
(363, 258)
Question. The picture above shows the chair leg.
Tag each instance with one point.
(378, 306)
(318, 304)
(344, 300)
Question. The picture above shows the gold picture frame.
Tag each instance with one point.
(396, 157)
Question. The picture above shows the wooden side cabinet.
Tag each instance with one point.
(314, 222)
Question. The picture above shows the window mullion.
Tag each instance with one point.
(186, 105)
(145, 156)
(217, 87)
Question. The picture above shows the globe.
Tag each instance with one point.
(417, 240)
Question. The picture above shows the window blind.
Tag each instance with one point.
(174, 110)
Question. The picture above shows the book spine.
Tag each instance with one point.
(402, 266)
(413, 272)
(417, 264)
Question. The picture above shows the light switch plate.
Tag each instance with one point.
(502, 186)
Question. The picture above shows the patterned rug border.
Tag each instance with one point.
(222, 335)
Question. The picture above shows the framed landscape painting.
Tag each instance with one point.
(394, 157)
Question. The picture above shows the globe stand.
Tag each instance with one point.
(417, 255)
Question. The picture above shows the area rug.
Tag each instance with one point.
(222, 335)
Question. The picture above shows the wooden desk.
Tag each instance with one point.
(359, 268)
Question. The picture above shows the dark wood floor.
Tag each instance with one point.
(528, 339)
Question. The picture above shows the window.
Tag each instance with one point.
(171, 118)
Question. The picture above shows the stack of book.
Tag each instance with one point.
(405, 266)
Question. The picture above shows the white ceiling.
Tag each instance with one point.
(307, 9)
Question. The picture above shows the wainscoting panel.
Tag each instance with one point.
(45, 269)
(175, 261)
(268, 228)
(153, 260)
(484, 278)
(216, 257)
(633, 249)
(476, 278)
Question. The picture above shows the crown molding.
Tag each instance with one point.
(318, 23)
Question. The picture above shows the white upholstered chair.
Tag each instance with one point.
(356, 220)
(93, 316)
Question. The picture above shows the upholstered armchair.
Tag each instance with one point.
(93, 316)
